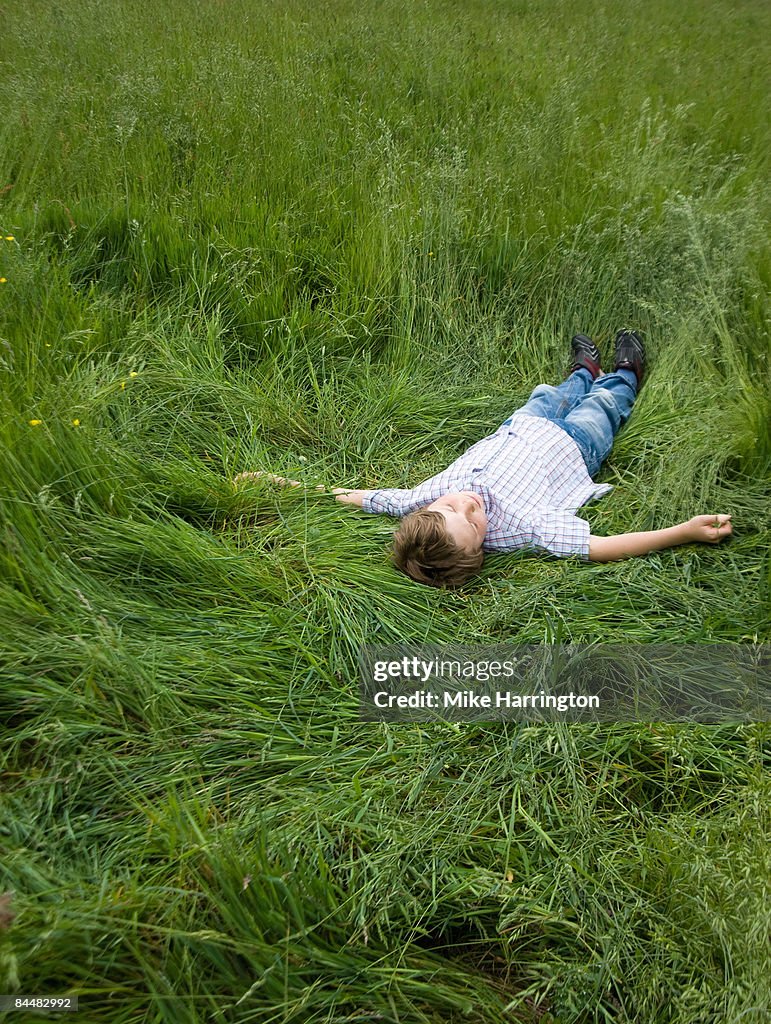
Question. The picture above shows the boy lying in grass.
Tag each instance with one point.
(521, 486)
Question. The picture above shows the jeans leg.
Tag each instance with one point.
(550, 402)
(594, 421)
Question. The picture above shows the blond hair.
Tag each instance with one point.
(424, 551)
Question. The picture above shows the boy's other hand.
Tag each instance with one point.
(709, 529)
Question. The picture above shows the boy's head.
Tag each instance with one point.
(441, 544)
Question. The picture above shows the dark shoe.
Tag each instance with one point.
(630, 353)
(586, 355)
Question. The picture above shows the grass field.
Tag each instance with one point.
(343, 241)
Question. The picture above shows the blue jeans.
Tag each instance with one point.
(591, 412)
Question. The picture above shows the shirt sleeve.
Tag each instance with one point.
(559, 532)
(397, 501)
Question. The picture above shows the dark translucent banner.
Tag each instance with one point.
(708, 683)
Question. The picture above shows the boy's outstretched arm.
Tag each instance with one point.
(704, 529)
(344, 494)
(349, 497)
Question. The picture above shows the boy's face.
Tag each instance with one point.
(464, 514)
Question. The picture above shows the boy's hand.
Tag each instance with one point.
(271, 478)
(709, 529)
(344, 494)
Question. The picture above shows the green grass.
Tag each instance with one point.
(342, 242)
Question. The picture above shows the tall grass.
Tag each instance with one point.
(343, 242)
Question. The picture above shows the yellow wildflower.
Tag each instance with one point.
(133, 374)
(35, 423)
(9, 238)
(76, 423)
(123, 385)
(3, 280)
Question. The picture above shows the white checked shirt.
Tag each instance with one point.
(531, 477)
